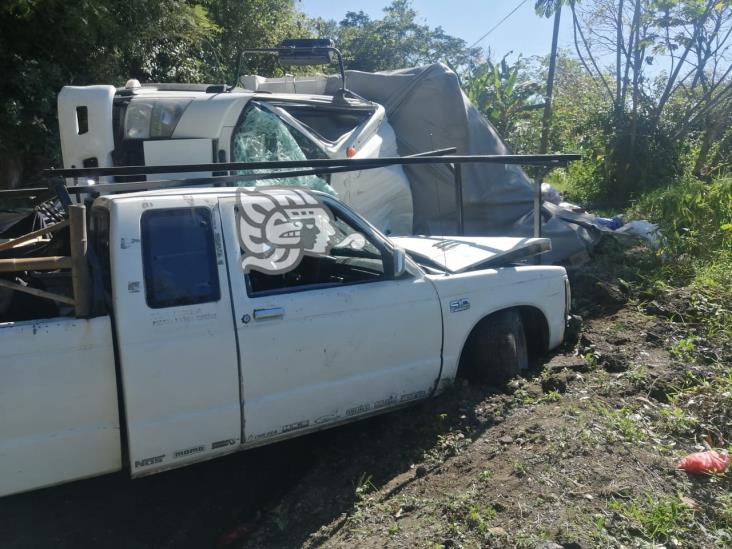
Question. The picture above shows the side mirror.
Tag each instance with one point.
(400, 262)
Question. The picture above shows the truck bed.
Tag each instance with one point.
(59, 418)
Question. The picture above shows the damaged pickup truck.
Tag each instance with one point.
(191, 351)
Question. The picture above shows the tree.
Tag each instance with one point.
(547, 8)
(395, 41)
(247, 24)
(46, 44)
(668, 86)
(506, 94)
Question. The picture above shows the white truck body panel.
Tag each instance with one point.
(168, 152)
(493, 290)
(334, 353)
(383, 196)
(457, 254)
(98, 139)
(180, 375)
(58, 402)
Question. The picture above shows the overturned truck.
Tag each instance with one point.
(353, 115)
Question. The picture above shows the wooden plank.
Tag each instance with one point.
(35, 264)
(80, 276)
(35, 234)
(36, 292)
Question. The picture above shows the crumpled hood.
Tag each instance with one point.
(457, 254)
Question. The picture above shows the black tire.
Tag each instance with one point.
(496, 349)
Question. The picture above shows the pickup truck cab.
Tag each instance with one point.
(193, 358)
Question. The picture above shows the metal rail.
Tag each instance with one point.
(352, 164)
(281, 169)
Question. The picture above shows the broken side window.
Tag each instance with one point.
(352, 259)
(327, 123)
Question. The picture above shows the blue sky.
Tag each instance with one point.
(524, 32)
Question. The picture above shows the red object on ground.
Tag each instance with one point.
(705, 462)
(236, 535)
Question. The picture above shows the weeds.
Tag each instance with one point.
(657, 519)
(622, 422)
(473, 515)
(363, 487)
(485, 475)
(519, 469)
(684, 349)
(676, 421)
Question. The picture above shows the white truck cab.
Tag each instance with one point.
(169, 124)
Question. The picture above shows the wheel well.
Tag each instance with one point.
(536, 329)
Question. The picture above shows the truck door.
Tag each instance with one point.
(335, 338)
(176, 341)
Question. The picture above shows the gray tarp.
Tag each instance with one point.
(428, 110)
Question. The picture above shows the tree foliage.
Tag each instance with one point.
(645, 94)
(505, 93)
(46, 44)
(395, 41)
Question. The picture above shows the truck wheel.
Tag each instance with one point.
(496, 349)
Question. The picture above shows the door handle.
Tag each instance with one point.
(264, 314)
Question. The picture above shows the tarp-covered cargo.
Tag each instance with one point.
(428, 110)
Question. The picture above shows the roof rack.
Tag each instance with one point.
(82, 256)
(279, 169)
(304, 52)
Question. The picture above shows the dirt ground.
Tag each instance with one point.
(579, 453)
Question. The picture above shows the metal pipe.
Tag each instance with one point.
(353, 164)
(51, 263)
(458, 173)
(537, 209)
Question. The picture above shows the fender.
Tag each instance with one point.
(468, 298)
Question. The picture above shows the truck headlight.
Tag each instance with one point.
(567, 298)
(147, 118)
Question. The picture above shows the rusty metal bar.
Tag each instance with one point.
(80, 276)
(35, 234)
(36, 292)
(537, 208)
(51, 263)
(458, 174)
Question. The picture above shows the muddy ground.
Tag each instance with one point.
(579, 453)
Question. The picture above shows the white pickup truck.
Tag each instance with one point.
(196, 358)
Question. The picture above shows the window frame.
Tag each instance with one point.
(210, 247)
(371, 234)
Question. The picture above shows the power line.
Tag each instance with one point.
(494, 27)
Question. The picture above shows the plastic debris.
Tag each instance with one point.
(705, 462)
(613, 223)
(550, 194)
(645, 229)
(235, 536)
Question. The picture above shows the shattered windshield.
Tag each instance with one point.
(261, 136)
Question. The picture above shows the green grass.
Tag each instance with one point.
(657, 518)
(622, 423)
